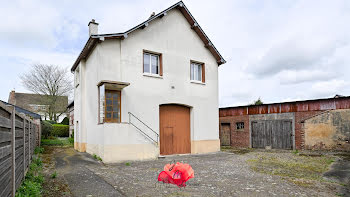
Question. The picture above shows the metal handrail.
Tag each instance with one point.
(144, 133)
(131, 114)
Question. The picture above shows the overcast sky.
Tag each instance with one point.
(276, 50)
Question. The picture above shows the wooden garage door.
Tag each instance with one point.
(275, 133)
(225, 134)
(174, 124)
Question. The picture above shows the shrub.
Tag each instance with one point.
(60, 130)
(65, 121)
(46, 128)
(51, 121)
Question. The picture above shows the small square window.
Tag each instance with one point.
(239, 125)
(152, 63)
(197, 72)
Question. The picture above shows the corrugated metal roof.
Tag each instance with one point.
(285, 107)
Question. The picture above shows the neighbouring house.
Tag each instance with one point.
(71, 117)
(149, 91)
(309, 124)
(39, 104)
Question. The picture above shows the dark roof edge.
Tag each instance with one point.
(344, 97)
(71, 104)
(124, 34)
(37, 116)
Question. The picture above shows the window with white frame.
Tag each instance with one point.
(197, 72)
(77, 76)
(151, 63)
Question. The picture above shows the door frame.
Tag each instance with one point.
(225, 123)
(191, 122)
(277, 116)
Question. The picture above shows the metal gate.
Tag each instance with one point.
(275, 133)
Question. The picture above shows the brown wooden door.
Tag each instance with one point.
(174, 124)
(225, 134)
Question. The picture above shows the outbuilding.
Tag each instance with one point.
(308, 124)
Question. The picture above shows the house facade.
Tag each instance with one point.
(39, 104)
(149, 91)
(320, 124)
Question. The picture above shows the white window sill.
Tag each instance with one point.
(152, 75)
(101, 123)
(197, 82)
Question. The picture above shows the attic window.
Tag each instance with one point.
(197, 72)
(152, 63)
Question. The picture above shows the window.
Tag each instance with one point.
(197, 72)
(152, 63)
(109, 105)
(77, 76)
(239, 125)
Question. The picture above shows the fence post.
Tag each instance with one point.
(13, 146)
(24, 147)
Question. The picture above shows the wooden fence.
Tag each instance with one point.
(18, 136)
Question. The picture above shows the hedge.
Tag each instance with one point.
(60, 130)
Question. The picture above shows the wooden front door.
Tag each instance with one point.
(174, 126)
(225, 134)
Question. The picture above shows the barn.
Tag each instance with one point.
(309, 124)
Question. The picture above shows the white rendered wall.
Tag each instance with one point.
(179, 44)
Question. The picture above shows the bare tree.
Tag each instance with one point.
(51, 81)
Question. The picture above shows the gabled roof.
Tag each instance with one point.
(24, 111)
(93, 39)
(24, 100)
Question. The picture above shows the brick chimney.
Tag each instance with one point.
(93, 27)
(12, 97)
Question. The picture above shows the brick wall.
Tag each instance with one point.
(299, 131)
(239, 138)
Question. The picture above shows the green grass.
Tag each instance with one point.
(301, 170)
(32, 185)
(38, 150)
(127, 164)
(57, 142)
(96, 157)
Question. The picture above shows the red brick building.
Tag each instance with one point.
(309, 124)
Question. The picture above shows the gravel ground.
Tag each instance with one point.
(217, 174)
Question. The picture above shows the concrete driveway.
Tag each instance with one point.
(217, 174)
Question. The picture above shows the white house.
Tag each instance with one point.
(149, 91)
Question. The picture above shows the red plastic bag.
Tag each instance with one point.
(177, 174)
